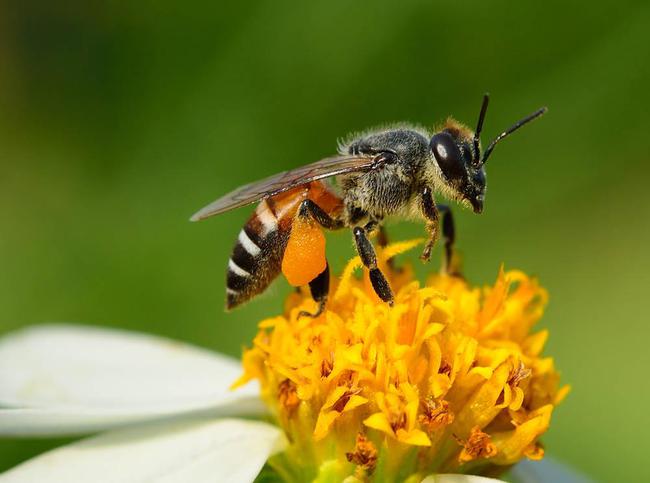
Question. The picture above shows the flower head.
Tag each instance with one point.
(450, 379)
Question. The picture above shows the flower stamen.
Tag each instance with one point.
(288, 396)
(364, 454)
(478, 445)
(435, 414)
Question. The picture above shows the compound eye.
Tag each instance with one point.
(448, 155)
(468, 155)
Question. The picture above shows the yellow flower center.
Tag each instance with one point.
(449, 379)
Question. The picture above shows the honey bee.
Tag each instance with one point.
(390, 172)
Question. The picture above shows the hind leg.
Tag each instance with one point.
(309, 209)
(319, 288)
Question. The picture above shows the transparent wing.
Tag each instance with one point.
(286, 180)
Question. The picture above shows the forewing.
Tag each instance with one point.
(286, 180)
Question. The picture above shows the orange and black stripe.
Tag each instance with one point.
(256, 259)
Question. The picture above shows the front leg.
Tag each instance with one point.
(449, 237)
(430, 212)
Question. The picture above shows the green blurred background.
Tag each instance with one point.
(118, 121)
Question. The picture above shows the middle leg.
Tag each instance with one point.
(369, 259)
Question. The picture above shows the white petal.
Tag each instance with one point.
(108, 377)
(71, 422)
(459, 479)
(196, 450)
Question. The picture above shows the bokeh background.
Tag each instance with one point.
(119, 120)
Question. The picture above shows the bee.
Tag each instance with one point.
(385, 173)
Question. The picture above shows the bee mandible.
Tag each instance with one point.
(392, 172)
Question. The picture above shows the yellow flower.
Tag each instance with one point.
(449, 379)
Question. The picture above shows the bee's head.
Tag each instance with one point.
(458, 160)
(457, 151)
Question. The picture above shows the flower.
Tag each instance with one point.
(163, 411)
(450, 379)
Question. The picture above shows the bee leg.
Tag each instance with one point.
(369, 259)
(449, 237)
(319, 288)
(310, 209)
(430, 213)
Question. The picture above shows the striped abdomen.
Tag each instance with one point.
(257, 256)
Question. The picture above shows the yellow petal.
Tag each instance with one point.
(346, 276)
(323, 423)
(517, 399)
(400, 247)
(440, 384)
(433, 329)
(481, 407)
(512, 444)
(534, 344)
(334, 396)
(379, 421)
(484, 372)
(561, 394)
(414, 437)
(354, 402)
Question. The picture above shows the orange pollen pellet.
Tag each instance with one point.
(304, 257)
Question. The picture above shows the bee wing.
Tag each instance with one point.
(286, 180)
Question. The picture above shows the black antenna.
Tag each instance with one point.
(479, 128)
(510, 130)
